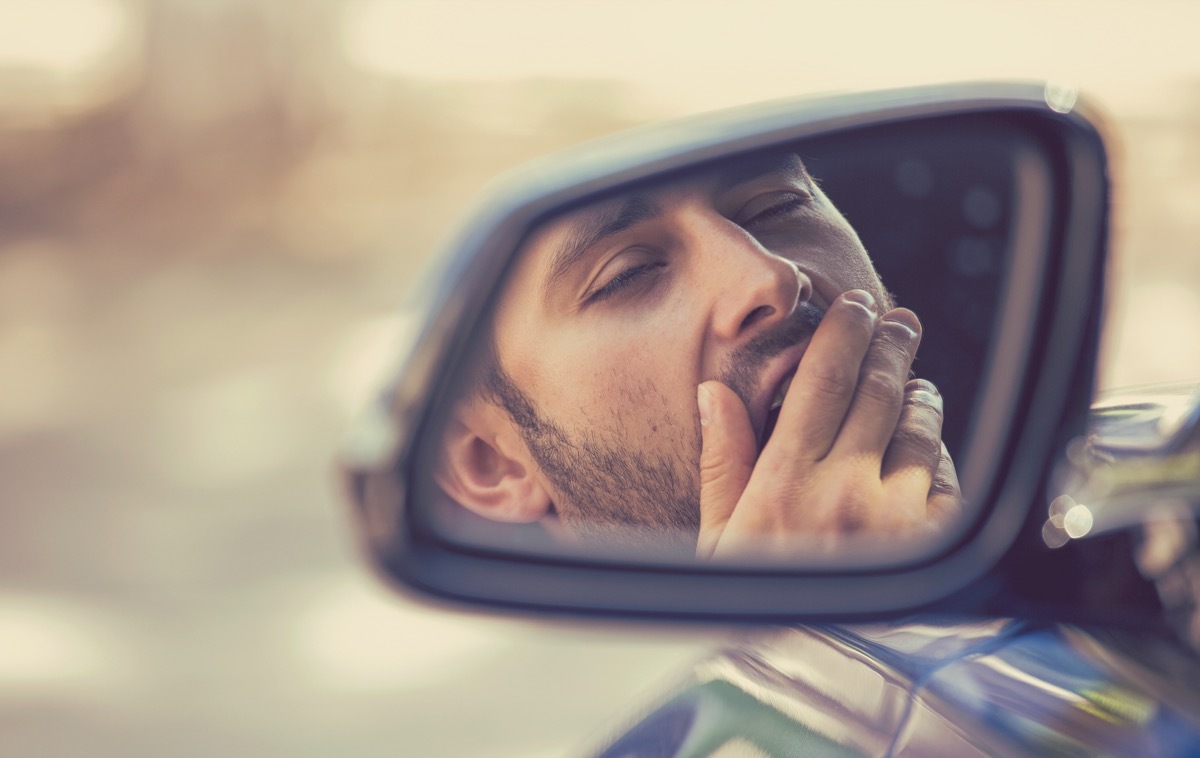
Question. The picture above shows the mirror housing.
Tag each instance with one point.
(1038, 381)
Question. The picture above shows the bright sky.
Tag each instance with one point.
(64, 36)
(701, 54)
(705, 53)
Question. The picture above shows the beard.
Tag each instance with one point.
(614, 493)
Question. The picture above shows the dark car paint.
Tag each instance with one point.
(928, 688)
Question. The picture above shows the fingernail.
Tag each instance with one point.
(860, 297)
(704, 400)
(924, 384)
(906, 318)
(927, 399)
(925, 393)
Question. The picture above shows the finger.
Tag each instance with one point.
(824, 383)
(945, 495)
(917, 438)
(727, 453)
(879, 395)
(911, 463)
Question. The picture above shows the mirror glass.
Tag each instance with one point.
(777, 356)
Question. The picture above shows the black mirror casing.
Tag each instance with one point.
(1038, 377)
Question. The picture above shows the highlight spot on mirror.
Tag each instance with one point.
(1054, 536)
(1067, 520)
(1061, 97)
(1059, 508)
(1078, 522)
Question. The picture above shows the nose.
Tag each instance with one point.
(751, 287)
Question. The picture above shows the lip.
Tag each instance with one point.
(780, 369)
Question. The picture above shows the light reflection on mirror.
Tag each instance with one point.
(772, 357)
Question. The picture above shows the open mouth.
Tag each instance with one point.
(774, 411)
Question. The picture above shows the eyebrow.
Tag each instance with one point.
(593, 229)
(745, 170)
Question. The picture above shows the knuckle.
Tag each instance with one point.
(847, 508)
(880, 386)
(920, 438)
(946, 478)
(712, 469)
(886, 363)
(923, 397)
(830, 381)
(852, 516)
(944, 485)
(853, 312)
(892, 344)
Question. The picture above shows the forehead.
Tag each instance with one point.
(712, 180)
(558, 242)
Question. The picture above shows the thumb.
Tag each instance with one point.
(726, 460)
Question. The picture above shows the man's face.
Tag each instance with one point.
(616, 311)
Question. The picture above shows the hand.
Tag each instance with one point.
(856, 449)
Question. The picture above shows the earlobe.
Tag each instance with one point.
(480, 469)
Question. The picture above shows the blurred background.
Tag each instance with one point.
(210, 211)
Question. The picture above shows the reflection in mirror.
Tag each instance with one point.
(776, 357)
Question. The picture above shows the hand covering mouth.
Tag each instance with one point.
(744, 370)
(775, 409)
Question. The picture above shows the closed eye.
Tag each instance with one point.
(773, 207)
(626, 279)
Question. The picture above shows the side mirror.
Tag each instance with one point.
(542, 446)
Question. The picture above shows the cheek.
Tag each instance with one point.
(629, 375)
(849, 267)
(636, 393)
(642, 390)
(833, 257)
(647, 416)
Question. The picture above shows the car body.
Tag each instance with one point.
(928, 687)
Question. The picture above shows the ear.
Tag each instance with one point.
(486, 467)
